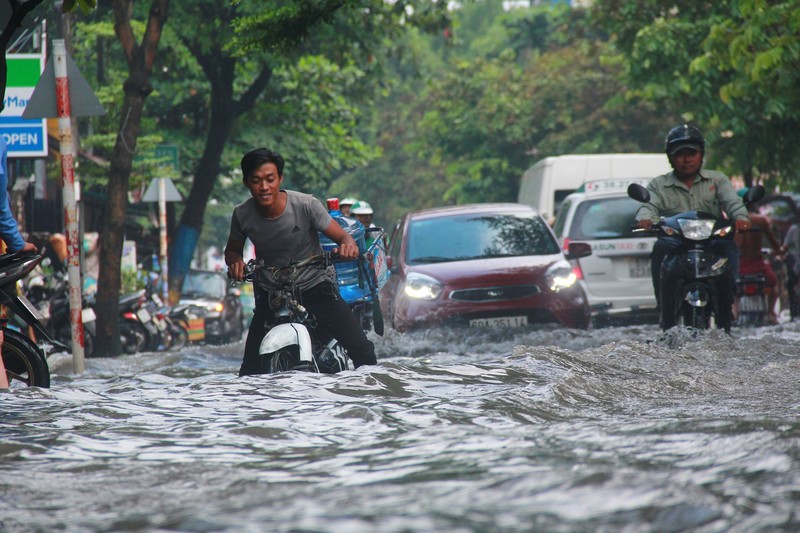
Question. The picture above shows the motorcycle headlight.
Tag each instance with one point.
(560, 276)
(422, 287)
(696, 230)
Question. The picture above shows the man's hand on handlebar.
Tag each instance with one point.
(347, 251)
(645, 224)
(236, 270)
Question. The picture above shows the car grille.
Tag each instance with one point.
(494, 294)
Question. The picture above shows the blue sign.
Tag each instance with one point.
(25, 138)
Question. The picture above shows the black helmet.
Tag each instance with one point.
(684, 136)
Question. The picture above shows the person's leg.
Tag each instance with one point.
(728, 249)
(661, 248)
(251, 363)
(772, 283)
(335, 318)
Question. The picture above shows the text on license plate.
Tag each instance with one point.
(639, 267)
(499, 322)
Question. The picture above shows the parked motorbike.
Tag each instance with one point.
(51, 297)
(137, 330)
(293, 342)
(695, 288)
(24, 361)
(753, 295)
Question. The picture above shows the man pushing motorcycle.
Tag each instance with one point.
(688, 188)
(284, 226)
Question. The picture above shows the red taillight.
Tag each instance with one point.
(129, 316)
(576, 266)
(750, 289)
(576, 269)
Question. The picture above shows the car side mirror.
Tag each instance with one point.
(576, 250)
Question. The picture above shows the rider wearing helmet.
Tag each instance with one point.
(363, 212)
(346, 204)
(688, 188)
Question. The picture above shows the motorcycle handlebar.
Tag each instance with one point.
(323, 260)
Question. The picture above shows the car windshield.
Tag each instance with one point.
(604, 218)
(204, 285)
(464, 237)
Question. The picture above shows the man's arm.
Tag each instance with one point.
(763, 223)
(347, 245)
(731, 203)
(234, 258)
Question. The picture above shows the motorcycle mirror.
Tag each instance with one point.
(639, 193)
(754, 194)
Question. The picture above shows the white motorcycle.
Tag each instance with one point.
(293, 342)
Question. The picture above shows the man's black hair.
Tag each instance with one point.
(255, 158)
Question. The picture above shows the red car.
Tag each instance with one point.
(481, 265)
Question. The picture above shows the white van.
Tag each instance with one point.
(545, 185)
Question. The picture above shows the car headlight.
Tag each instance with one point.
(696, 230)
(214, 309)
(560, 276)
(422, 287)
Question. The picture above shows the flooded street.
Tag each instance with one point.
(614, 429)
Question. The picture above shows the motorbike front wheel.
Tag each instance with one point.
(286, 360)
(695, 317)
(24, 362)
(133, 335)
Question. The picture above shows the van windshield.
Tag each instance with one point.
(604, 218)
(465, 237)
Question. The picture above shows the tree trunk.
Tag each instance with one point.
(113, 233)
(224, 113)
(136, 88)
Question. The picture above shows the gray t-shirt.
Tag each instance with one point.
(291, 236)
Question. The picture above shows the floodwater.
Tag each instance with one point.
(616, 429)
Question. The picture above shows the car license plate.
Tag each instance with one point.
(499, 322)
(639, 267)
(87, 315)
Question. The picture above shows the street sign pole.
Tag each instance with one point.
(162, 190)
(162, 233)
(70, 203)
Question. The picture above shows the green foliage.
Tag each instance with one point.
(84, 5)
(491, 119)
(313, 121)
(731, 67)
(131, 281)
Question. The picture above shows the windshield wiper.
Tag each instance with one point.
(431, 259)
(489, 256)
